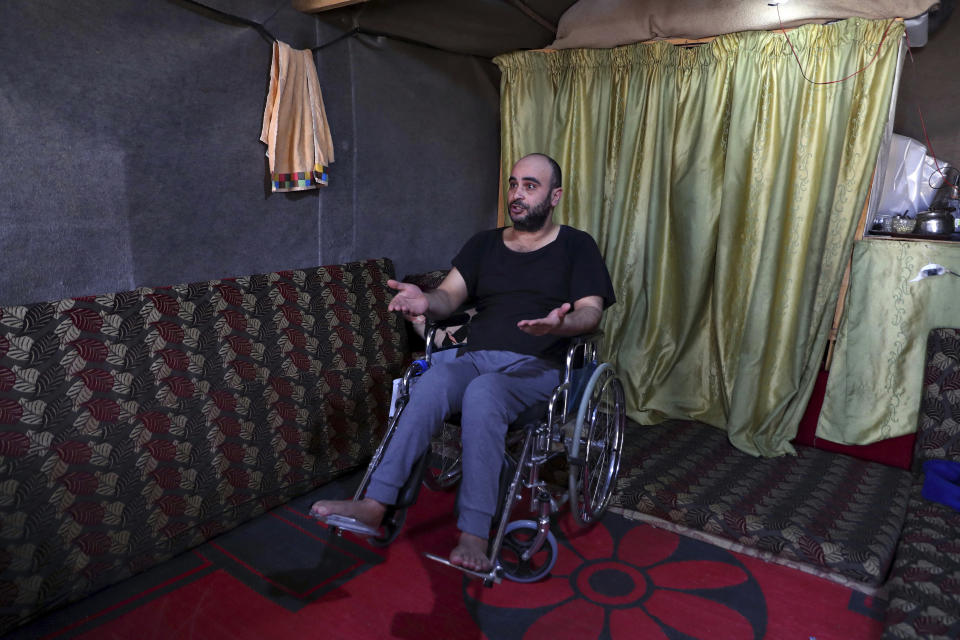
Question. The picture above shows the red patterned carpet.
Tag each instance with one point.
(283, 576)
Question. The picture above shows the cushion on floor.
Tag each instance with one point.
(828, 510)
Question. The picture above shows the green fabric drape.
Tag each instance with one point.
(723, 189)
(876, 379)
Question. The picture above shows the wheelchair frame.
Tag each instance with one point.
(591, 438)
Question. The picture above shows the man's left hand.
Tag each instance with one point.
(549, 324)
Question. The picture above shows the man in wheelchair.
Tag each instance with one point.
(535, 285)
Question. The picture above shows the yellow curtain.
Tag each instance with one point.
(723, 189)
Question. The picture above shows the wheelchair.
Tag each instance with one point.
(582, 425)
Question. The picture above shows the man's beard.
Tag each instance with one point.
(536, 217)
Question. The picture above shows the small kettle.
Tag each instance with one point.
(934, 223)
(939, 220)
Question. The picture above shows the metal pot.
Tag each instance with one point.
(934, 223)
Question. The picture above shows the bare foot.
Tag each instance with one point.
(470, 553)
(368, 511)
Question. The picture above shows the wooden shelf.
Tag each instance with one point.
(911, 237)
(316, 6)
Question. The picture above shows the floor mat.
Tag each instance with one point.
(283, 575)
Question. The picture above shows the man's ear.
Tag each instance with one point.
(555, 197)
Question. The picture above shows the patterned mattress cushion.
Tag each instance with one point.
(924, 585)
(938, 428)
(138, 424)
(427, 280)
(824, 509)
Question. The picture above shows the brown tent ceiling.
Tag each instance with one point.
(484, 28)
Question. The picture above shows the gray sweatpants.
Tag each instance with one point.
(490, 389)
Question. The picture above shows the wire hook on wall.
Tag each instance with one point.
(261, 29)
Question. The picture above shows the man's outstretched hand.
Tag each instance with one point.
(543, 326)
(409, 300)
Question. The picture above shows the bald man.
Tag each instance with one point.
(535, 285)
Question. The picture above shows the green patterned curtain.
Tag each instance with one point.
(724, 190)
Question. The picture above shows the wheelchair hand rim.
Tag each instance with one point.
(592, 511)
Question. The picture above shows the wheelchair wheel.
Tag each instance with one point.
(444, 466)
(518, 538)
(392, 524)
(596, 445)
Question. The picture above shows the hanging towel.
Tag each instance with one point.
(295, 127)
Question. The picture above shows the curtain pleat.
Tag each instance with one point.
(724, 190)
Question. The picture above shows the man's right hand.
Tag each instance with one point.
(410, 300)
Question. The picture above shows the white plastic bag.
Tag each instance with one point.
(911, 179)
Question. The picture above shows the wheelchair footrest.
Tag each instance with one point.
(350, 524)
(489, 577)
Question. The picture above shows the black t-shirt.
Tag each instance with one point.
(508, 286)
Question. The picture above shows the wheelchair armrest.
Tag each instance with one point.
(433, 344)
(596, 336)
(587, 347)
(588, 344)
(454, 320)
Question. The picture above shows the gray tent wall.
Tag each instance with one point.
(420, 167)
(129, 151)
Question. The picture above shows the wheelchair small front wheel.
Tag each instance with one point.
(596, 445)
(517, 540)
(392, 524)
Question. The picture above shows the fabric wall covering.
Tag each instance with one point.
(723, 189)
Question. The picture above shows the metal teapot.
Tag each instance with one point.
(939, 221)
(934, 223)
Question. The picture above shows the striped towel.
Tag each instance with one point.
(295, 127)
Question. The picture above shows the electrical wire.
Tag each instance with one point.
(923, 124)
(229, 17)
(261, 29)
(803, 73)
